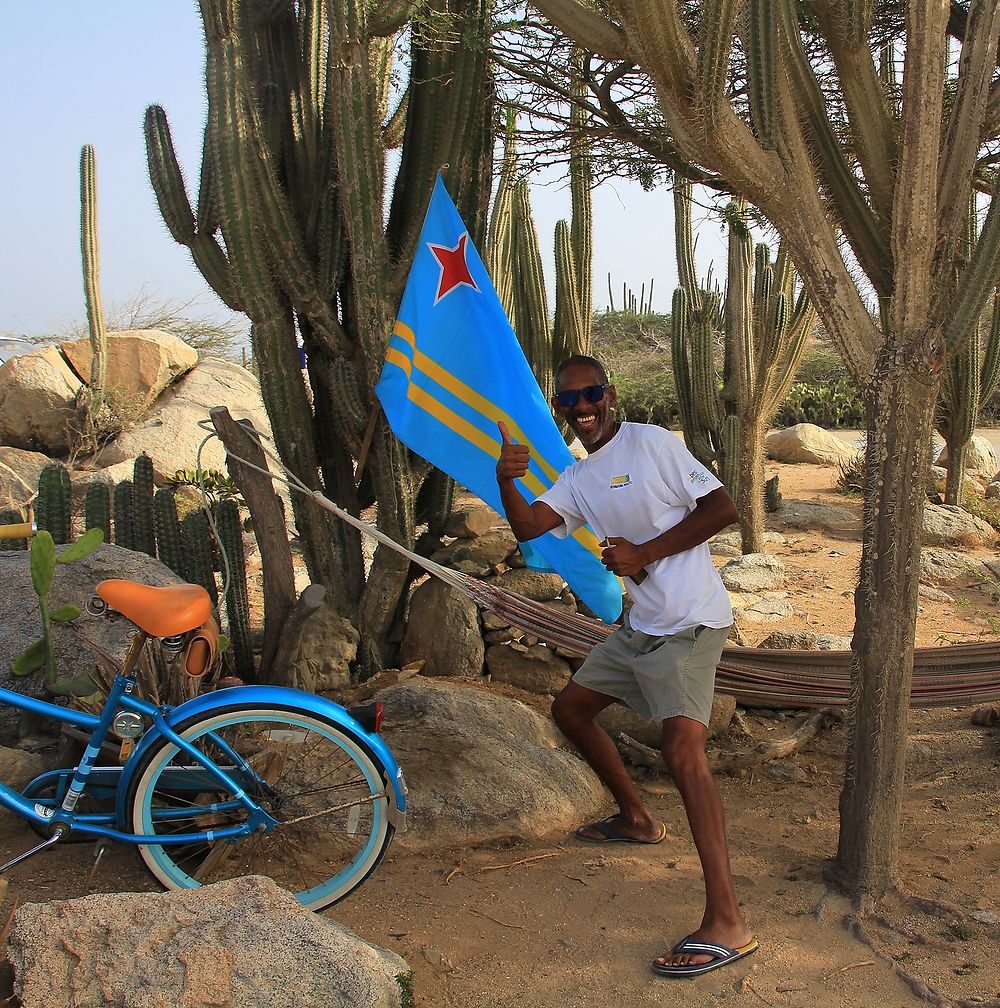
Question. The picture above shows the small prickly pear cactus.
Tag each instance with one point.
(168, 530)
(52, 506)
(124, 535)
(43, 560)
(142, 505)
(227, 517)
(97, 508)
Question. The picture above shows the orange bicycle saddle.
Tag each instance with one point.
(161, 612)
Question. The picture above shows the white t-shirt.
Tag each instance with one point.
(641, 483)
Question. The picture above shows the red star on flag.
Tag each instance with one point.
(454, 268)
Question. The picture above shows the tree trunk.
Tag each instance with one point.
(751, 486)
(899, 426)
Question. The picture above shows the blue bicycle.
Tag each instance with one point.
(243, 780)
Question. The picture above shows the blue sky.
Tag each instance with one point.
(74, 73)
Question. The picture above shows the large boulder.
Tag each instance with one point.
(19, 472)
(481, 766)
(753, 572)
(948, 524)
(532, 667)
(38, 402)
(141, 364)
(327, 647)
(237, 944)
(805, 442)
(979, 456)
(170, 434)
(800, 514)
(442, 631)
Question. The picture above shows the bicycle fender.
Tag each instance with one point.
(268, 696)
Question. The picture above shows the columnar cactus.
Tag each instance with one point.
(53, 503)
(90, 252)
(971, 377)
(198, 559)
(227, 517)
(123, 509)
(290, 227)
(97, 508)
(143, 534)
(515, 262)
(169, 545)
(763, 326)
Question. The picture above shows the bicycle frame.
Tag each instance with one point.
(119, 699)
(164, 722)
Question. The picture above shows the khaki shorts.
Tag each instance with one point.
(658, 677)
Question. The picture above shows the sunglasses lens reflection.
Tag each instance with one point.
(592, 393)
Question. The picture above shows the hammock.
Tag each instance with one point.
(959, 675)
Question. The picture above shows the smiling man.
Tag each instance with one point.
(654, 505)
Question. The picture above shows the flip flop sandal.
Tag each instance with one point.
(722, 955)
(610, 834)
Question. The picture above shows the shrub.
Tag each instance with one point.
(833, 405)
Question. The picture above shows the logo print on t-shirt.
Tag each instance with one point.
(697, 476)
(617, 482)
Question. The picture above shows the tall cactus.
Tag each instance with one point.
(97, 509)
(969, 379)
(290, 226)
(90, 253)
(227, 517)
(122, 503)
(515, 262)
(763, 325)
(167, 527)
(143, 535)
(53, 504)
(198, 559)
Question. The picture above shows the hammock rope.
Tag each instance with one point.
(954, 676)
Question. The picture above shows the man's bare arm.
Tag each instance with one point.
(527, 521)
(712, 514)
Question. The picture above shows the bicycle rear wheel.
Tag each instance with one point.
(322, 783)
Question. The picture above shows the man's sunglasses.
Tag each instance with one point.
(569, 398)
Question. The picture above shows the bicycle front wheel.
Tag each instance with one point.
(320, 781)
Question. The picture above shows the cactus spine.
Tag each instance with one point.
(97, 509)
(198, 560)
(52, 506)
(142, 505)
(124, 532)
(90, 253)
(227, 517)
(763, 326)
(169, 544)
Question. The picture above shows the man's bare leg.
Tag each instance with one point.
(574, 711)
(723, 922)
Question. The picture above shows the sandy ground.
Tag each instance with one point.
(552, 923)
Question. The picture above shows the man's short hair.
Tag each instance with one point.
(582, 359)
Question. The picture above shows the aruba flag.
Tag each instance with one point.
(454, 369)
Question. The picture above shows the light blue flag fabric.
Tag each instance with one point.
(454, 369)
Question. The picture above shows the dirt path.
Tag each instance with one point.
(552, 923)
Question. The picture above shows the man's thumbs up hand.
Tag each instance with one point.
(513, 461)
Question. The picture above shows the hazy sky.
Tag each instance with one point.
(74, 73)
